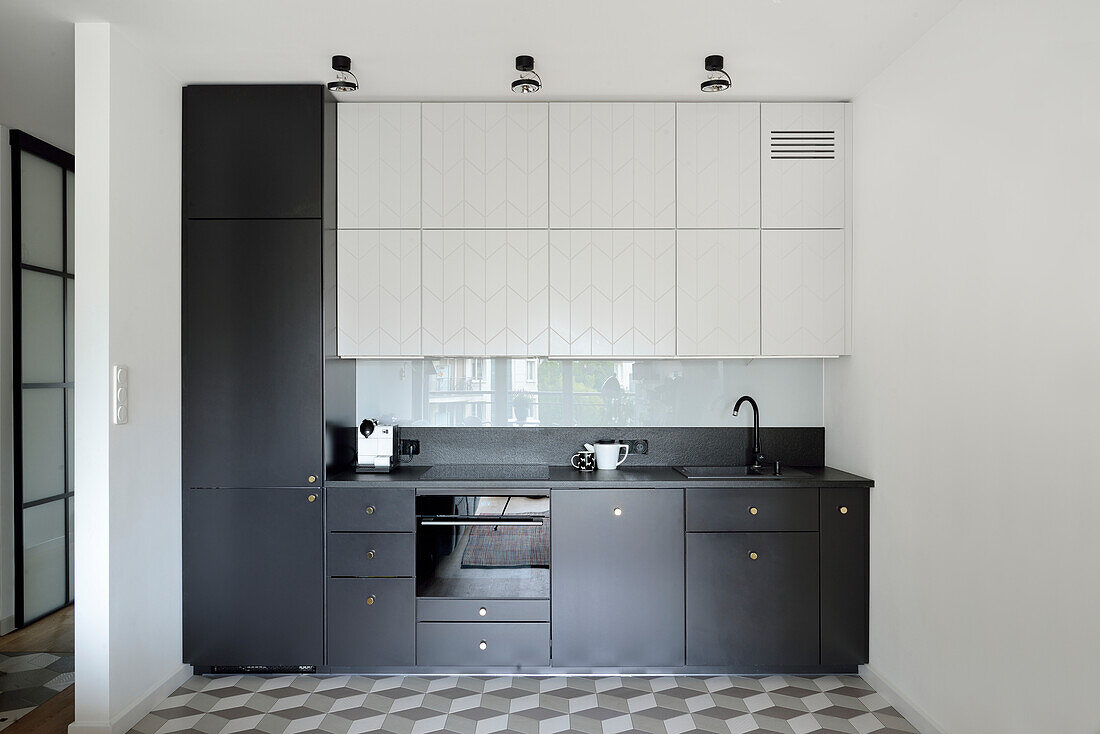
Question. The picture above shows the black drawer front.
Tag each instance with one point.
(371, 554)
(371, 510)
(505, 644)
(751, 510)
(370, 622)
(483, 610)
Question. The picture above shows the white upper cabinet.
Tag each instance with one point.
(803, 278)
(612, 293)
(378, 293)
(804, 172)
(718, 165)
(484, 165)
(485, 293)
(378, 165)
(612, 165)
(718, 293)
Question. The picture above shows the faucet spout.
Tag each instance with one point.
(757, 457)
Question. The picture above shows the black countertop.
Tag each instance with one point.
(560, 477)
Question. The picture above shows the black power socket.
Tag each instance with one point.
(639, 446)
(409, 447)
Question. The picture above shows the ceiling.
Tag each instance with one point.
(464, 49)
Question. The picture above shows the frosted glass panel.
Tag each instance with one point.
(69, 507)
(41, 212)
(70, 322)
(70, 206)
(43, 447)
(43, 559)
(42, 328)
(69, 429)
(541, 392)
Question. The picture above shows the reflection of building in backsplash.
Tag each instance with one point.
(484, 391)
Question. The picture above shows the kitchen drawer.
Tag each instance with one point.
(371, 622)
(461, 644)
(377, 510)
(495, 610)
(371, 554)
(751, 510)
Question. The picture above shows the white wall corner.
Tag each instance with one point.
(914, 714)
(128, 718)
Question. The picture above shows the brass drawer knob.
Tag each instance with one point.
(617, 512)
(312, 478)
(370, 553)
(482, 645)
(752, 555)
(370, 600)
(843, 510)
(312, 498)
(370, 509)
(753, 510)
(482, 612)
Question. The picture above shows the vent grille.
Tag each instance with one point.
(803, 145)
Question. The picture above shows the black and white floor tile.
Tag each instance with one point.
(28, 679)
(534, 705)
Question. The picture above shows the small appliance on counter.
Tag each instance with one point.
(376, 448)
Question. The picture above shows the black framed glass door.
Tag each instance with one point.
(42, 339)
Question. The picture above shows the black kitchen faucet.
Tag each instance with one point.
(757, 457)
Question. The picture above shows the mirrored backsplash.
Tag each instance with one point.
(537, 392)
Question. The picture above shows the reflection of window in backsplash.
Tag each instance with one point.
(483, 391)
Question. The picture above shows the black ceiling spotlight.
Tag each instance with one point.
(717, 78)
(528, 82)
(345, 80)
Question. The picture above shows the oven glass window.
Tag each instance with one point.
(483, 547)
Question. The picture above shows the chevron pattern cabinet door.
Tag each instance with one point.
(612, 165)
(803, 292)
(803, 176)
(484, 165)
(378, 293)
(485, 293)
(718, 292)
(378, 165)
(718, 165)
(612, 293)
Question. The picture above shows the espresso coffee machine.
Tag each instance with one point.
(376, 448)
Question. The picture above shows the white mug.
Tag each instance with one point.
(609, 454)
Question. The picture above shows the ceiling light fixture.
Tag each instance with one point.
(345, 80)
(717, 78)
(528, 82)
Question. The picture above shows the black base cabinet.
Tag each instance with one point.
(845, 556)
(252, 591)
(617, 588)
(752, 599)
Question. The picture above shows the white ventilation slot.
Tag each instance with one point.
(803, 145)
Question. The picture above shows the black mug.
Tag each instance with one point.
(584, 461)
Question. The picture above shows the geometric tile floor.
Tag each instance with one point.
(29, 679)
(533, 704)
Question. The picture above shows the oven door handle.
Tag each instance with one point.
(486, 521)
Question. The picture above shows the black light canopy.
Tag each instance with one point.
(345, 80)
(717, 78)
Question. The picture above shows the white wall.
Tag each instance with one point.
(128, 568)
(972, 395)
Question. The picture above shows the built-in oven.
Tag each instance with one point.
(483, 546)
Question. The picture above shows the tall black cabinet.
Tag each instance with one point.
(258, 238)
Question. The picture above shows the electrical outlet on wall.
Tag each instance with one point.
(639, 446)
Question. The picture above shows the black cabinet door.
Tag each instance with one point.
(371, 622)
(617, 568)
(252, 577)
(752, 599)
(252, 355)
(253, 151)
(845, 553)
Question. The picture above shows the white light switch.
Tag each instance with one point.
(120, 394)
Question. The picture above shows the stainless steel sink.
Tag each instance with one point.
(736, 472)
